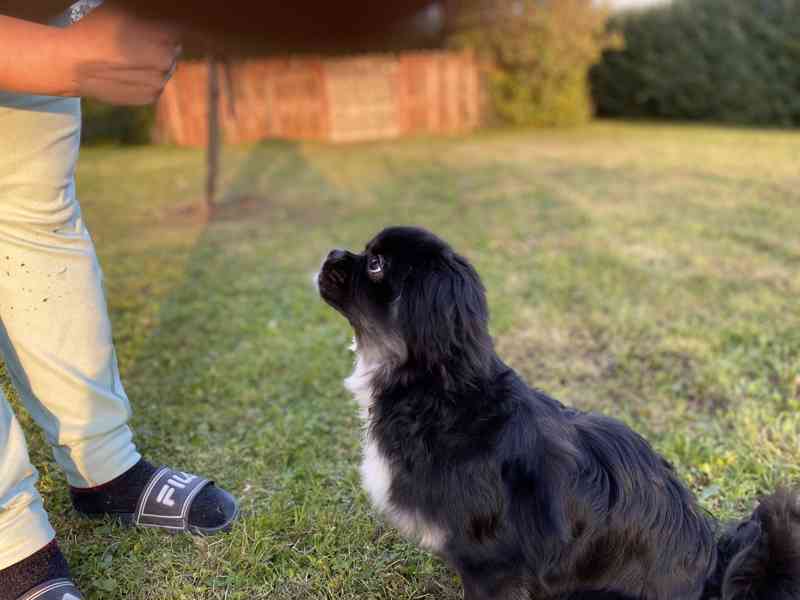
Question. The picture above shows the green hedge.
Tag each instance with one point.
(106, 124)
(735, 61)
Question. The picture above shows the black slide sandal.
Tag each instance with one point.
(55, 589)
(166, 500)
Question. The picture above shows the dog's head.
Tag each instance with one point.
(411, 300)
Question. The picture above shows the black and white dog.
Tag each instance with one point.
(524, 497)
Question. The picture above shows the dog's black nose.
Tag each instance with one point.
(336, 255)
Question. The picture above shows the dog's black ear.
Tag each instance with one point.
(445, 317)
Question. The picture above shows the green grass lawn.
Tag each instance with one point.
(649, 272)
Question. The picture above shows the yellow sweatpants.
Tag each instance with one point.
(55, 334)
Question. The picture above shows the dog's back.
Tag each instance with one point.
(596, 508)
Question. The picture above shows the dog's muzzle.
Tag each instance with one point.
(334, 277)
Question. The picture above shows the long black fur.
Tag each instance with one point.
(537, 500)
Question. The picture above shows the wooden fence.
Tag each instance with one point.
(339, 100)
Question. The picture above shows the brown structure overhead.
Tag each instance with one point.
(247, 27)
(286, 25)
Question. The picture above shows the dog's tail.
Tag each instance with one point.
(759, 558)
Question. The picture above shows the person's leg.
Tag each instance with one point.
(55, 338)
(29, 555)
(24, 527)
(56, 335)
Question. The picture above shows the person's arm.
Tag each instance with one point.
(32, 59)
(110, 55)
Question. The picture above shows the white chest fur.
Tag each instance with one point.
(376, 470)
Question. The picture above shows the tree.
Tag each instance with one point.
(539, 54)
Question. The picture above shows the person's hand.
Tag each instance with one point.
(120, 58)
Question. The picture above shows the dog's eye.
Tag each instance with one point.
(375, 266)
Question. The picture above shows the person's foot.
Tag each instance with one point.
(149, 496)
(42, 576)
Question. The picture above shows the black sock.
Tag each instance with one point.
(121, 495)
(44, 565)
